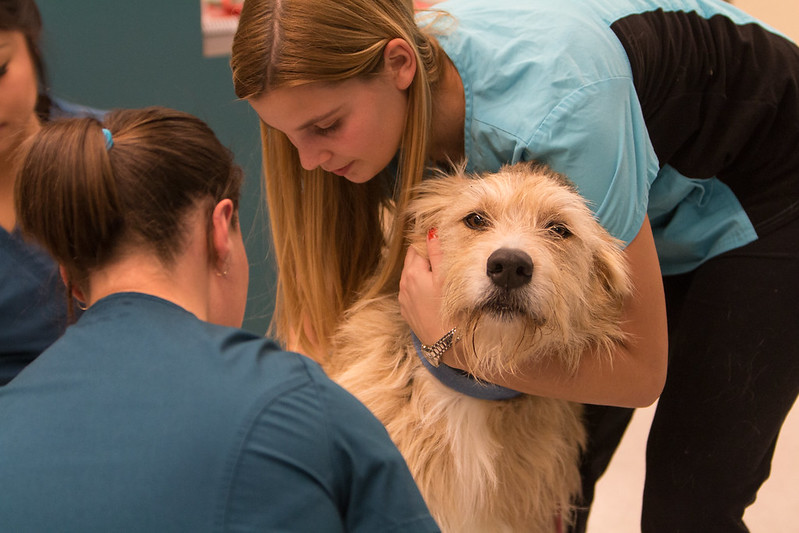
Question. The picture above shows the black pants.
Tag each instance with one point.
(732, 379)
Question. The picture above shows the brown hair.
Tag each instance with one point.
(327, 232)
(85, 202)
(23, 16)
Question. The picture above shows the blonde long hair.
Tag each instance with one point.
(327, 232)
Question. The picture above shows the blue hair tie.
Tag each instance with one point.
(109, 140)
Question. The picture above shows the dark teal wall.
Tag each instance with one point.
(149, 52)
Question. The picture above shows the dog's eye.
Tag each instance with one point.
(561, 230)
(475, 221)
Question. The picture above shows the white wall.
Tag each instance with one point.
(781, 14)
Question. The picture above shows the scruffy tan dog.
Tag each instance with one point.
(529, 276)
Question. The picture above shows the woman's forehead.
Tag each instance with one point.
(299, 107)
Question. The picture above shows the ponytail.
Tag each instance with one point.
(87, 190)
(67, 196)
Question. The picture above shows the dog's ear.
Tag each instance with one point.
(415, 222)
(432, 199)
(611, 270)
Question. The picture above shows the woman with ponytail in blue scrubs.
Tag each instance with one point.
(154, 412)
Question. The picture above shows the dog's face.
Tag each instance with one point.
(528, 271)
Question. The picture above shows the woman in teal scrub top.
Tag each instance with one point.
(678, 120)
(32, 306)
(154, 412)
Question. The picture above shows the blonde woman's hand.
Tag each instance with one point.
(420, 292)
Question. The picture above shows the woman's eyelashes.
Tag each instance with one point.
(328, 128)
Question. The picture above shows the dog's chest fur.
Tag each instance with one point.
(481, 465)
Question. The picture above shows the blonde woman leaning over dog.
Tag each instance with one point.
(154, 412)
(677, 119)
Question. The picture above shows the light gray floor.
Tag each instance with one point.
(617, 506)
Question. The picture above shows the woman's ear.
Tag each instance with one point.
(223, 223)
(75, 290)
(400, 61)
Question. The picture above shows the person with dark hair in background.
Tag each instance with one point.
(155, 412)
(32, 310)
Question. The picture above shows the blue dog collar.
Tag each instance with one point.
(463, 382)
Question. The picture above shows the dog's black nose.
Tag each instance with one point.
(509, 268)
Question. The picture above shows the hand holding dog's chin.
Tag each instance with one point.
(420, 293)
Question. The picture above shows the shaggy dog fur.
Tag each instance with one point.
(485, 465)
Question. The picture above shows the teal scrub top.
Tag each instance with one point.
(144, 418)
(552, 81)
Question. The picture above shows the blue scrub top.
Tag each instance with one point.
(647, 105)
(32, 303)
(144, 418)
